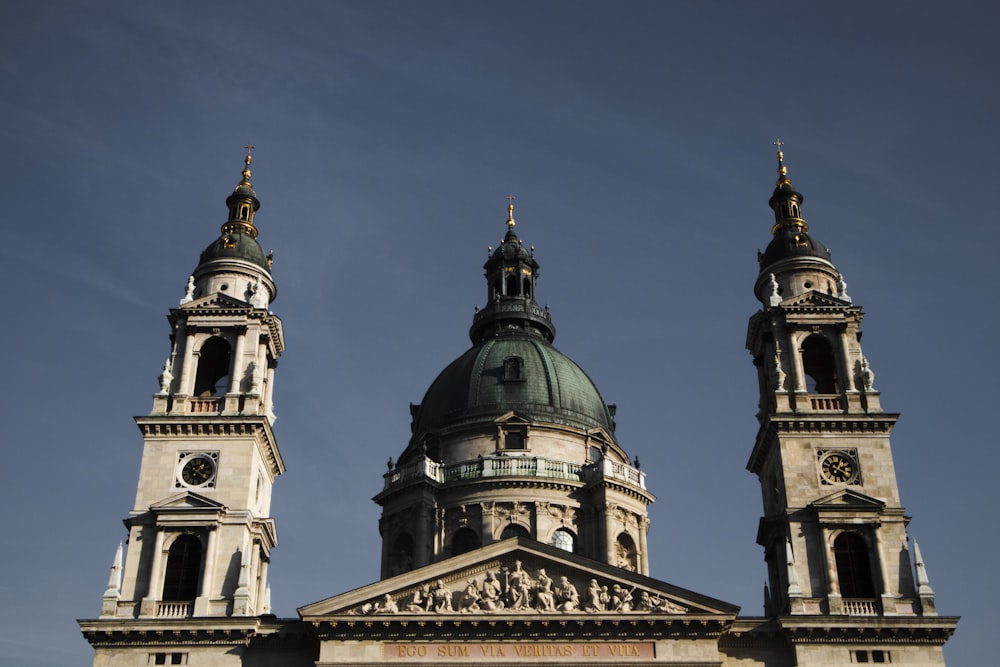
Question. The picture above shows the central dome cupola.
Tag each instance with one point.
(512, 439)
(511, 272)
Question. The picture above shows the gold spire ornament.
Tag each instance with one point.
(242, 203)
(783, 179)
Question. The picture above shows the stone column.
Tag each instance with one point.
(186, 385)
(888, 595)
(147, 609)
(798, 373)
(609, 536)
(644, 558)
(833, 597)
(237, 366)
(201, 603)
(268, 392)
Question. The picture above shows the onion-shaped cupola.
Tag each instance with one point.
(794, 262)
(511, 275)
(235, 263)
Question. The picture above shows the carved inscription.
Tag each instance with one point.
(533, 652)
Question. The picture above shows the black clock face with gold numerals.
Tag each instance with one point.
(198, 470)
(839, 468)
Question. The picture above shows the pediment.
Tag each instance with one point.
(516, 577)
(848, 499)
(512, 417)
(214, 302)
(813, 299)
(187, 500)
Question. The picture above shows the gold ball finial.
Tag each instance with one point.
(510, 211)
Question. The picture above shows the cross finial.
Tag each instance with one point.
(510, 211)
(779, 143)
(249, 157)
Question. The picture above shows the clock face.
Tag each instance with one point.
(839, 467)
(198, 470)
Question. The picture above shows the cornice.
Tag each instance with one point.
(840, 423)
(506, 627)
(152, 632)
(867, 630)
(218, 426)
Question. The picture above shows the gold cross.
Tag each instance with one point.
(779, 143)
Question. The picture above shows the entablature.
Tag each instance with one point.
(856, 629)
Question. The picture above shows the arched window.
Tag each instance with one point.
(180, 579)
(626, 553)
(854, 569)
(526, 286)
(465, 540)
(563, 539)
(401, 557)
(511, 285)
(514, 530)
(819, 365)
(213, 367)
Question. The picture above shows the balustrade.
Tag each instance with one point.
(862, 607)
(826, 403)
(174, 609)
(514, 466)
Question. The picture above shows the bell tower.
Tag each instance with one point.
(833, 530)
(200, 535)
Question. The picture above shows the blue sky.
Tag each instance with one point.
(637, 139)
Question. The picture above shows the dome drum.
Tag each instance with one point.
(797, 276)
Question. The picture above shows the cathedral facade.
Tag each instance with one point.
(513, 522)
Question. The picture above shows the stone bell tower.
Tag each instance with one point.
(833, 530)
(200, 535)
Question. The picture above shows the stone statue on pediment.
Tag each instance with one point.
(567, 597)
(490, 593)
(442, 597)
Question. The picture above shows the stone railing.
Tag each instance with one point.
(203, 405)
(862, 607)
(512, 305)
(514, 466)
(826, 402)
(174, 609)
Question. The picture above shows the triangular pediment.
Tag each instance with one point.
(516, 577)
(215, 301)
(512, 417)
(813, 299)
(187, 500)
(848, 499)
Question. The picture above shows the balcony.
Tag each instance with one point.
(174, 609)
(826, 402)
(514, 466)
(862, 607)
(204, 405)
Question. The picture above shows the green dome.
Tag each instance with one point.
(512, 373)
(235, 246)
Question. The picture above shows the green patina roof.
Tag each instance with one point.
(473, 389)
